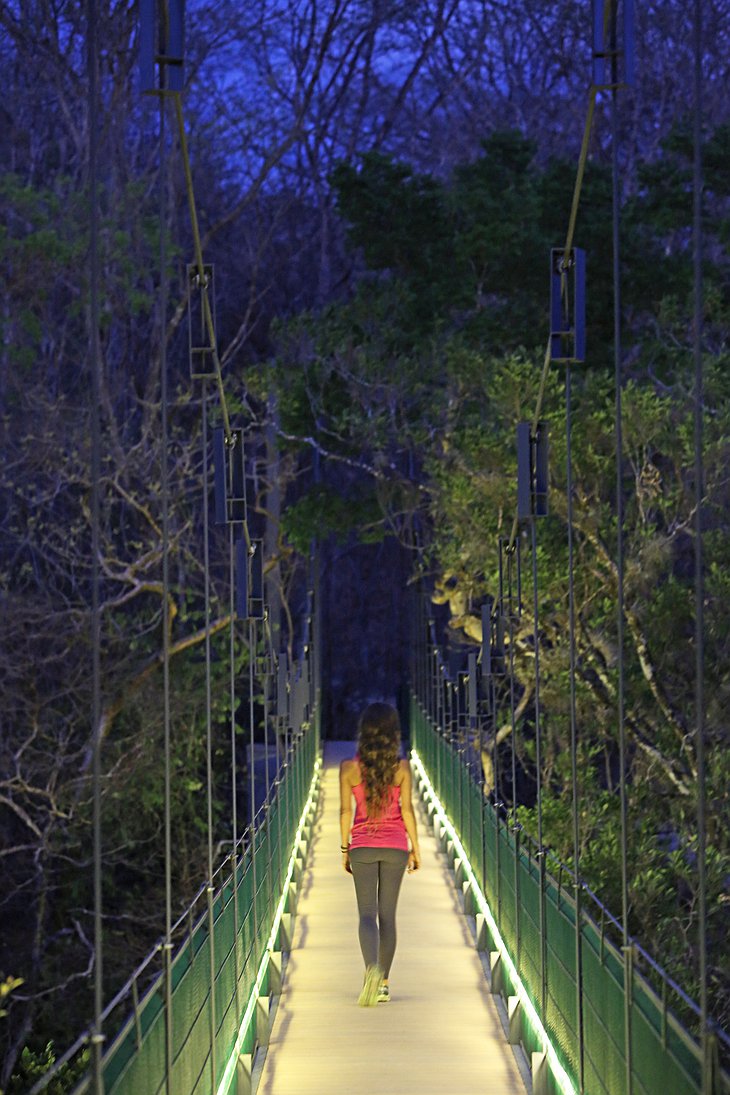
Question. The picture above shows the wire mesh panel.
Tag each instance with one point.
(560, 1018)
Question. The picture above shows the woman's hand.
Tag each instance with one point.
(414, 860)
(346, 862)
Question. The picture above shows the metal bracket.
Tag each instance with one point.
(510, 570)
(200, 351)
(229, 476)
(161, 46)
(471, 690)
(495, 969)
(481, 938)
(567, 304)
(283, 692)
(286, 932)
(613, 41)
(256, 586)
(470, 904)
(540, 1073)
(276, 978)
(244, 1074)
(514, 1020)
(492, 640)
(263, 1021)
(250, 580)
(532, 471)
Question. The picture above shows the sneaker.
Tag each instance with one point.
(369, 996)
(383, 994)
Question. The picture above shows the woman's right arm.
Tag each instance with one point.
(409, 818)
(345, 813)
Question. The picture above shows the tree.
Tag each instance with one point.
(389, 379)
(421, 377)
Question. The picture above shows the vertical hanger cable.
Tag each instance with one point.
(697, 242)
(95, 621)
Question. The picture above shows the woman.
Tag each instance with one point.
(375, 848)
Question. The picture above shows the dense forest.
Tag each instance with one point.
(379, 186)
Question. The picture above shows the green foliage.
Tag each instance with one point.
(43, 246)
(6, 987)
(331, 514)
(32, 1066)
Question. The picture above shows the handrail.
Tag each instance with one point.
(652, 984)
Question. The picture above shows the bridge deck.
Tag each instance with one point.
(439, 1035)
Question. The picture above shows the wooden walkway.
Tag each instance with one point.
(439, 1035)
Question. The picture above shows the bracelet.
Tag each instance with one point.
(344, 847)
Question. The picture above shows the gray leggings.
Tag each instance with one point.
(378, 873)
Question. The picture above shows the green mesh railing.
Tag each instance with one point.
(664, 1058)
(212, 985)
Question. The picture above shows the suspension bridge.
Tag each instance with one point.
(510, 974)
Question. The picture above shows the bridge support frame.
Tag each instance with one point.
(514, 1020)
(496, 975)
(244, 1074)
(540, 1071)
(482, 937)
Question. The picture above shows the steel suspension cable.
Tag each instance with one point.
(620, 608)
(697, 247)
(208, 736)
(164, 490)
(274, 665)
(515, 826)
(573, 723)
(198, 249)
(497, 802)
(538, 761)
(230, 439)
(266, 698)
(569, 236)
(252, 777)
(95, 621)
(234, 766)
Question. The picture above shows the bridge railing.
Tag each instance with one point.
(216, 986)
(575, 983)
(192, 1015)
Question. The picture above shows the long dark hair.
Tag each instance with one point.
(379, 750)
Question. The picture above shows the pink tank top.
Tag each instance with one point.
(388, 831)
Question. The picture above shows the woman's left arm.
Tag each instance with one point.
(409, 818)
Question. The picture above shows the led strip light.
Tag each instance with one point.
(561, 1077)
(230, 1070)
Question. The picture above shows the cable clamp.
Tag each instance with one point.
(199, 281)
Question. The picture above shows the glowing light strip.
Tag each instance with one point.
(561, 1076)
(230, 1070)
